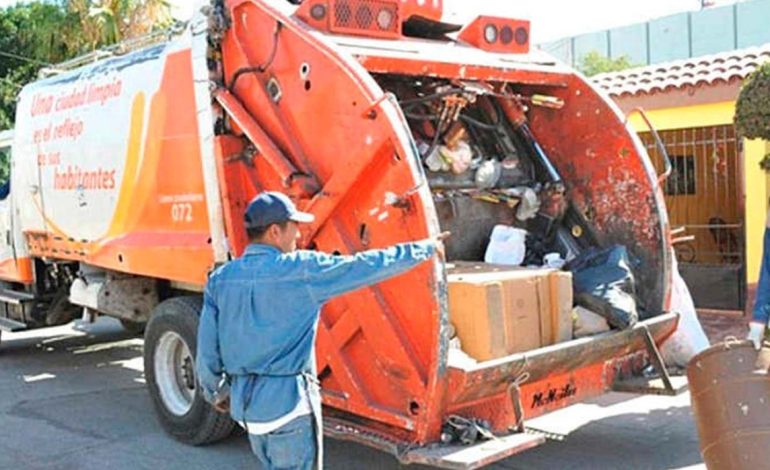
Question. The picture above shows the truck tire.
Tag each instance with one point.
(169, 367)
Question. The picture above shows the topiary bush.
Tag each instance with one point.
(752, 113)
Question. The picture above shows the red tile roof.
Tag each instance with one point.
(706, 70)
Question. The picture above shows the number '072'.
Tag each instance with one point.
(182, 212)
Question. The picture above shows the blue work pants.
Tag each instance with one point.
(290, 447)
(762, 302)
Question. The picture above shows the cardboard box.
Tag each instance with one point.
(502, 310)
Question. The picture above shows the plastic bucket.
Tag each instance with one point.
(731, 404)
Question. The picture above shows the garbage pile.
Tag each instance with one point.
(526, 269)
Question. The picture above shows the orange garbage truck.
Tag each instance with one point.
(131, 168)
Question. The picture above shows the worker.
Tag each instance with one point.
(762, 302)
(257, 332)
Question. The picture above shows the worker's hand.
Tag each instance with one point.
(442, 236)
(756, 333)
(439, 240)
(223, 406)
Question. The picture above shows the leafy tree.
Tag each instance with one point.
(752, 111)
(39, 33)
(595, 63)
(105, 22)
(31, 36)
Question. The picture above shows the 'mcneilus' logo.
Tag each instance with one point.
(553, 395)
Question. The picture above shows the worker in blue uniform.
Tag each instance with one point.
(761, 312)
(257, 332)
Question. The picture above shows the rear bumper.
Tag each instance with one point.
(551, 378)
(507, 391)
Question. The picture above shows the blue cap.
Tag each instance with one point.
(270, 208)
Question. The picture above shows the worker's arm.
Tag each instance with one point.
(328, 276)
(208, 360)
(762, 302)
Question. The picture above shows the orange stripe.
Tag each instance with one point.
(18, 270)
(130, 174)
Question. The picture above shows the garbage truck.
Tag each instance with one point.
(131, 168)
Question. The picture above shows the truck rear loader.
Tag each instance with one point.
(131, 168)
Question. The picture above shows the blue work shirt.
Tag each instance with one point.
(762, 302)
(260, 316)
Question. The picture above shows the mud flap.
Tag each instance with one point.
(463, 457)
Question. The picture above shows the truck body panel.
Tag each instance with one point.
(102, 149)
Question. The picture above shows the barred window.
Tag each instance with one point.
(682, 180)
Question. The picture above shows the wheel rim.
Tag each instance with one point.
(175, 373)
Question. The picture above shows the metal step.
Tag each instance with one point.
(652, 385)
(6, 324)
(462, 457)
(16, 297)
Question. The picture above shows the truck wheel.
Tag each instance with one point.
(169, 367)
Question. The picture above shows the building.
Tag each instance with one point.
(716, 191)
(681, 36)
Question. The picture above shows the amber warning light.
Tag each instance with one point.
(374, 18)
(498, 35)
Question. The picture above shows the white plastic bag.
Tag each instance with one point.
(507, 245)
(689, 338)
(588, 323)
(554, 261)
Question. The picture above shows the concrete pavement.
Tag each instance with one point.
(74, 398)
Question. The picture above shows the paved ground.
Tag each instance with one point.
(720, 327)
(74, 398)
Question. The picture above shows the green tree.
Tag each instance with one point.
(31, 36)
(105, 22)
(595, 63)
(752, 111)
(39, 33)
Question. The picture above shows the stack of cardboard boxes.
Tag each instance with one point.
(501, 310)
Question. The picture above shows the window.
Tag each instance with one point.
(682, 179)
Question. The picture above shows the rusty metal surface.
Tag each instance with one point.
(550, 378)
(492, 377)
(731, 404)
(611, 182)
(652, 386)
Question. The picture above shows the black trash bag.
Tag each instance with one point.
(603, 283)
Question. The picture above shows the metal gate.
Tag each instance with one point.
(704, 197)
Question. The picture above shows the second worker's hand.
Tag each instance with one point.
(756, 333)
(439, 239)
(223, 406)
